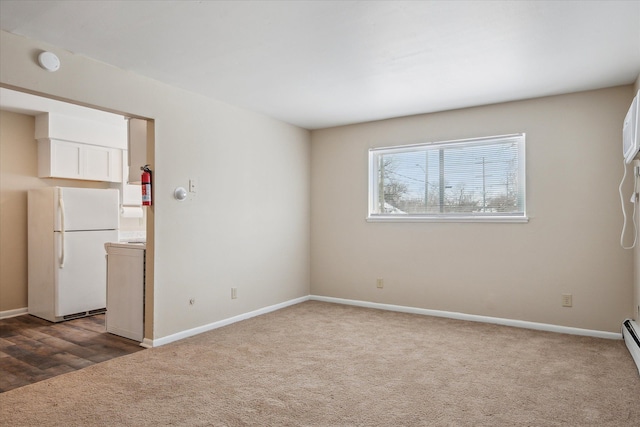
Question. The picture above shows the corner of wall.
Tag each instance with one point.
(636, 252)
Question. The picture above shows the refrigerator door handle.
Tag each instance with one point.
(61, 208)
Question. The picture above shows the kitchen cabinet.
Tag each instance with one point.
(137, 148)
(65, 159)
(131, 193)
(80, 147)
(109, 130)
(125, 289)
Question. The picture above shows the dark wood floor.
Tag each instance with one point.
(33, 349)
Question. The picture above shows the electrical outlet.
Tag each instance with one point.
(567, 300)
(380, 283)
(234, 293)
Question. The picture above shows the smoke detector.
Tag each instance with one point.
(49, 61)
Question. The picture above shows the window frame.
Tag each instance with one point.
(373, 184)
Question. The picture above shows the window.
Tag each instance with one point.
(481, 179)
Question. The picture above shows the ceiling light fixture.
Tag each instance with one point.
(49, 61)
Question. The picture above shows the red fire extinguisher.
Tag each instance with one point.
(146, 185)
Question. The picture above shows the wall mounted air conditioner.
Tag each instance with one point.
(630, 131)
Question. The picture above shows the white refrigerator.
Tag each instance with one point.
(67, 230)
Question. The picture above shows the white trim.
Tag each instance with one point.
(13, 313)
(444, 218)
(465, 141)
(633, 348)
(473, 318)
(149, 343)
(146, 343)
(215, 325)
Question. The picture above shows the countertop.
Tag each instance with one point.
(129, 245)
(131, 239)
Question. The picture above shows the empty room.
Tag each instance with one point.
(319, 213)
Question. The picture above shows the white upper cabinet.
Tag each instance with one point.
(110, 132)
(64, 159)
(59, 158)
(77, 148)
(137, 157)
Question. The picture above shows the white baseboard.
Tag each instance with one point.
(13, 313)
(632, 345)
(473, 318)
(148, 343)
(215, 325)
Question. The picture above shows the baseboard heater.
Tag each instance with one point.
(631, 335)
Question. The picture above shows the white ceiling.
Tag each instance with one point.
(318, 64)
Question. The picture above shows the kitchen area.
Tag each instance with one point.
(73, 217)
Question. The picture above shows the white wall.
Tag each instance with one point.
(514, 271)
(248, 225)
(636, 263)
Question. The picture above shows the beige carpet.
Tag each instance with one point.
(320, 364)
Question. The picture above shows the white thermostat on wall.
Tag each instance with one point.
(49, 61)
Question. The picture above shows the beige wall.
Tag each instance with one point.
(18, 173)
(248, 225)
(515, 271)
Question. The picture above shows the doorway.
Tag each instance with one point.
(19, 173)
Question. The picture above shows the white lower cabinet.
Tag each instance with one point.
(125, 290)
(65, 159)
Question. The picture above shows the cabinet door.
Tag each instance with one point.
(66, 160)
(101, 163)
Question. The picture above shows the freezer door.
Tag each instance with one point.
(82, 282)
(86, 209)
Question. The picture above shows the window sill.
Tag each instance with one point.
(419, 218)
